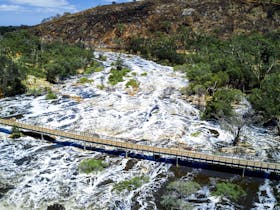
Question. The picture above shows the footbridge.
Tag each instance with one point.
(215, 160)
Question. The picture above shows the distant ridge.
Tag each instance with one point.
(112, 26)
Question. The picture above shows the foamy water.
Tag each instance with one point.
(42, 173)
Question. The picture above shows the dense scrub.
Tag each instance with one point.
(222, 69)
(23, 54)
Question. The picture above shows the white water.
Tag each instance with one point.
(155, 114)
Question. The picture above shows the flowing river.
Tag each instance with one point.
(35, 174)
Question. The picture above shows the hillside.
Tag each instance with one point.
(114, 25)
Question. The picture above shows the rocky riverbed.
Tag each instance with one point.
(35, 174)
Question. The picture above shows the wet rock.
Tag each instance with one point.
(214, 133)
(167, 92)
(129, 165)
(238, 150)
(4, 188)
(65, 96)
(271, 123)
(56, 206)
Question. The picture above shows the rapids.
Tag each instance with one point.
(35, 173)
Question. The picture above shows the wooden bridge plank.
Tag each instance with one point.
(145, 148)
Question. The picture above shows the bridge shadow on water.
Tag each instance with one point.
(154, 157)
(159, 158)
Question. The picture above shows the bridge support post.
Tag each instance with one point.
(42, 136)
(177, 162)
(126, 154)
(243, 172)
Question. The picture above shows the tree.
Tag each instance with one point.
(10, 77)
(220, 106)
(266, 98)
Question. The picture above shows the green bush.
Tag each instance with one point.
(132, 83)
(144, 74)
(94, 67)
(116, 75)
(16, 133)
(183, 188)
(119, 64)
(221, 103)
(24, 54)
(172, 202)
(51, 96)
(35, 92)
(266, 98)
(102, 58)
(11, 77)
(101, 87)
(229, 190)
(84, 80)
(177, 191)
(92, 165)
(131, 184)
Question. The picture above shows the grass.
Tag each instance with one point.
(84, 80)
(229, 190)
(131, 184)
(92, 165)
(51, 96)
(132, 83)
(116, 76)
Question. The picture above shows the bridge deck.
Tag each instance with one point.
(190, 155)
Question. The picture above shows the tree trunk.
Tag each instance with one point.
(237, 139)
(278, 126)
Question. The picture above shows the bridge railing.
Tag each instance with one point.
(192, 155)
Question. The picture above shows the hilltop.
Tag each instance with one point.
(113, 26)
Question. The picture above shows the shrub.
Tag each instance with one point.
(131, 184)
(35, 92)
(176, 192)
(91, 165)
(119, 64)
(266, 98)
(221, 104)
(84, 80)
(144, 74)
(196, 134)
(51, 96)
(95, 67)
(132, 83)
(183, 188)
(16, 133)
(101, 87)
(116, 75)
(172, 202)
(229, 190)
(102, 57)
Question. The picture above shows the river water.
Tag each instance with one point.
(35, 174)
